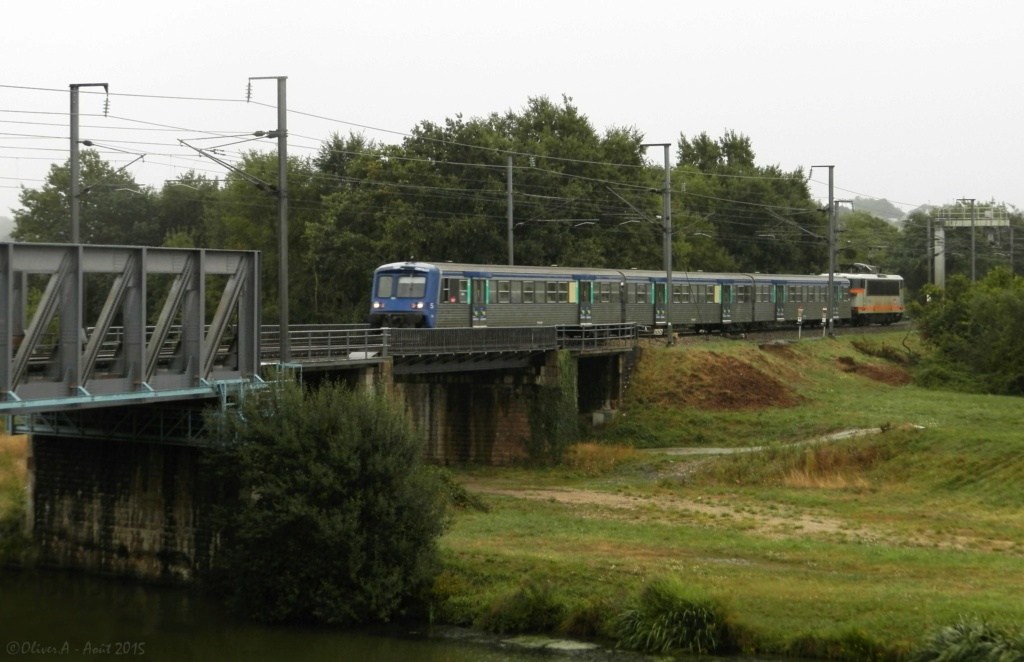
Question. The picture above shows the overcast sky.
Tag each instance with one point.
(914, 101)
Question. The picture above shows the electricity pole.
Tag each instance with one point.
(973, 263)
(75, 235)
(666, 217)
(282, 210)
(831, 248)
(508, 189)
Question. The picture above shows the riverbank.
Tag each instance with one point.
(849, 547)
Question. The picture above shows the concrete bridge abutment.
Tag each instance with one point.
(121, 508)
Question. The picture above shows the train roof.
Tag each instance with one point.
(504, 270)
(869, 276)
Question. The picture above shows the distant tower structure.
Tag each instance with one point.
(963, 216)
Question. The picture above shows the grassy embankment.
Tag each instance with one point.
(13, 451)
(852, 548)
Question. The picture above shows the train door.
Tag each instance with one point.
(478, 301)
(726, 303)
(586, 298)
(659, 303)
(780, 302)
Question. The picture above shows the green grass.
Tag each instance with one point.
(13, 542)
(850, 549)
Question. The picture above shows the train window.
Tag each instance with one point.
(516, 291)
(411, 287)
(454, 290)
(812, 294)
(563, 292)
(552, 292)
(710, 294)
(883, 288)
(384, 285)
(641, 293)
(504, 291)
(605, 292)
(528, 287)
(677, 293)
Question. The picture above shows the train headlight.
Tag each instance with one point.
(378, 304)
(418, 305)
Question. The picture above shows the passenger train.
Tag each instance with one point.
(425, 295)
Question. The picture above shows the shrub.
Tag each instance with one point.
(670, 616)
(972, 641)
(336, 520)
(533, 607)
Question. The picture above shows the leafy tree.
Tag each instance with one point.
(113, 209)
(865, 238)
(911, 255)
(246, 217)
(973, 329)
(338, 519)
(760, 218)
(182, 206)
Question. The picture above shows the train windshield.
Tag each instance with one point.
(401, 286)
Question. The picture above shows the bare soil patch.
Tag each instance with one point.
(887, 374)
(718, 382)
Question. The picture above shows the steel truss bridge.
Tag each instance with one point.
(150, 339)
(155, 345)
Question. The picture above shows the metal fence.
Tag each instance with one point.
(598, 337)
(320, 342)
(407, 342)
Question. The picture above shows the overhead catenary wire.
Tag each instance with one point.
(491, 167)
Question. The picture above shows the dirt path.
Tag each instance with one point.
(738, 512)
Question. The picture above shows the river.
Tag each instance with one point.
(61, 616)
(52, 615)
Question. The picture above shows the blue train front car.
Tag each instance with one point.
(404, 295)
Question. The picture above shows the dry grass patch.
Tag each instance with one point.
(13, 457)
(826, 466)
(595, 459)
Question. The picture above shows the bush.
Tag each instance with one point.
(972, 641)
(533, 607)
(336, 519)
(670, 616)
(972, 328)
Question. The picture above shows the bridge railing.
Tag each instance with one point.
(409, 342)
(311, 342)
(602, 336)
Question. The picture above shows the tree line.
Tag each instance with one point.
(579, 197)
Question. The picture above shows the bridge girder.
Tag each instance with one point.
(59, 355)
